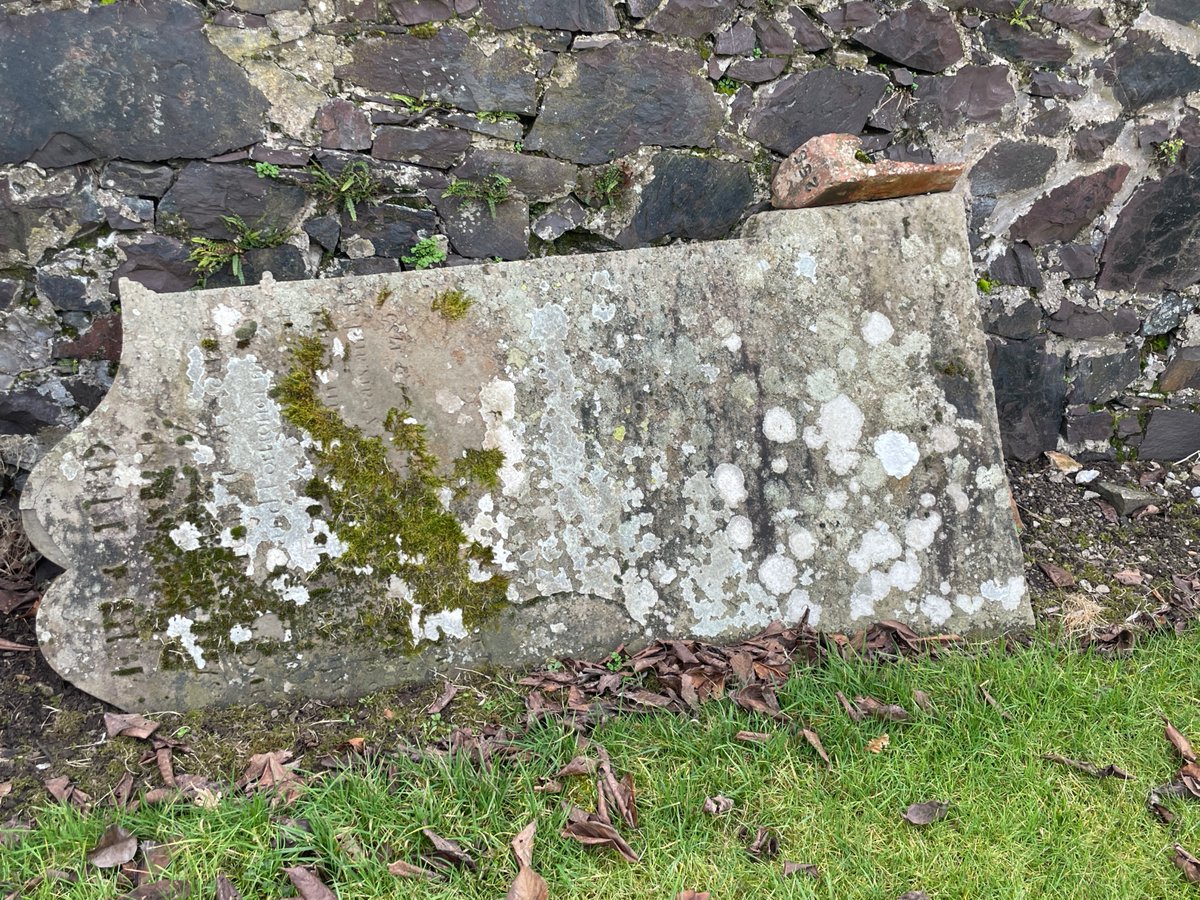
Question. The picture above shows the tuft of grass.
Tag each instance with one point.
(1168, 152)
(493, 190)
(1020, 18)
(210, 255)
(1018, 825)
(346, 190)
(452, 304)
(424, 254)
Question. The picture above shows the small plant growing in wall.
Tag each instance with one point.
(726, 86)
(1020, 18)
(493, 190)
(266, 170)
(346, 190)
(425, 254)
(210, 255)
(607, 185)
(452, 304)
(1168, 152)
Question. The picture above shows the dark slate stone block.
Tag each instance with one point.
(1061, 214)
(1012, 166)
(560, 217)
(1017, 266)
(1185, 12)
(1088, 23)
(325, 230)
(1182, 372)
(609, 102)
(39, 214)
(474, 232)
(756, 71)
(65, 292)
(418, 12)
(11, 290)
(1075, 321)
(823, 101)
(1023, 46)
(439, 148)
(1091, 142)
(157, 262)
(807, 35)
(285, 263)
(734, 41)
(204, 192)
(1049, 123)
(568, 15)
(973, 93)
(1100, 378)
(130, 214)
(1022, 323)
(262, 7)
(773, 37)
(1080, 260)
(343, 126)
(535, 177)
(1030, 395)
(1143, 70)
(73, 84)
(102, 340)
(27, 412)
(693, 19)
(449, 67)
(137, 179)
(918, 36)
(1155, 242)
(1168, 315)
(391, 229)
(689, 197)
(855, 14)
(1097, 426)
(1047, 84)
(1172, 434)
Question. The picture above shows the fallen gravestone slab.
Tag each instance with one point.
(325, 488)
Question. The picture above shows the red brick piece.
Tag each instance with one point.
(825, 171)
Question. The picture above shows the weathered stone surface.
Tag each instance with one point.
(418, 12)
(1047, 84)
(824, 101)
(974, 93)
(560, 217)
(477, 232)
(1011, 166)
(1143, 70)
(690, 18)
(1091, 142)
(27, 411)
(1097, 426)
(568, 15)
(808, 35)
(1086, 22)
(855, 14)
(735, 41)
(1030, 395)
(101, 341)
(773, 38)
(137, 81)
(391, 230)
(1172, 434)
(1185, 12)
(826, 170)
(343, 126)
(1168, 315)
(1124, 498)
(440, 148)
(39, 213)
(1017, 265)
(138, 179)
(684, 437)
(1023, 46)
(204, 192)
(1182, 372)
(1061, 214)
(1023, 322)
(605, 103)
(535, 177)
(325, 230)
(918, 36)
(689, 197)
(158, 263)
(756, 71)
(25, 346)
(1075, 321)
(447, 67)
(1101, 377)
(1155, 242)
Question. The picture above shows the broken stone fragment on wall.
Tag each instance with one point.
(321, 489)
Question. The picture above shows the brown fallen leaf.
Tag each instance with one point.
(63, 791)
(1109, 512)
(887, 711)
(1109, 771)
(6, 644)
(1188, 864)
(814, 741)
(795, 868)
(1062, 462)
(765, 844)
(923, 701)
(5, 789)
(129, 725)
(164, 889)
(1059, 576)
(878, 744)
(925, 813)
(402, 869)
(717, 805)
(1128, 577)
(443, 699)
(590, 830)
(226, 890)
(448, 850)
(580, 765)
(758, 698)
(994, 703)
(852, 711)
(1181, 744)
(529, 885)
(272, 771)
(123, 791)
(752, 737)
(308, 885)
(115, 848)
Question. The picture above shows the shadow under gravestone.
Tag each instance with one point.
(329, 487)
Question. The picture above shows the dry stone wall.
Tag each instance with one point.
(587, 125)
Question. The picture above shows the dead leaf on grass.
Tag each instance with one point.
(580, 765)
(164, 889)
(402, 869)
(1109, 512)
(115, 848)
(890, 712)
(1109, 771)
(913, 895)
(226, 890)
(6, 644)
(443, 699)
(529, 885)
(923, 701)
(814, 741)
(752, 737)
(63, 791)
(129, 725)
(1129, 577)
(5, 789)
(926, 813)
(308, 885)
(448, 850)
(878, 744)
(717, 805)
(271, 771)
(852, 711)
(1181, 744)
(1188, 864)
(994, 703)
(795, 868)
(765, 844)
(758, 698)
(123, 791)
(589, 829)
(1059, 576)
(1062, 462)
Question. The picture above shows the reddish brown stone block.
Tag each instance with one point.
(828, 170)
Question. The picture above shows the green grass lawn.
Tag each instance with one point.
(1018, 826)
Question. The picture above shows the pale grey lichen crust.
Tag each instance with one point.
(696, 440)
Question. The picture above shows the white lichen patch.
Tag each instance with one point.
(805, 266)
(802, 544)
(779, 425)
(897, 453)
(240, 634)
(740, 532)
(838, 430)
(226, 319)
(877, 329)
(181, 627)
(1008, 594)
(877, 547)
(435, 626)
(186, 536)
(730, 482)
(778, 574)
